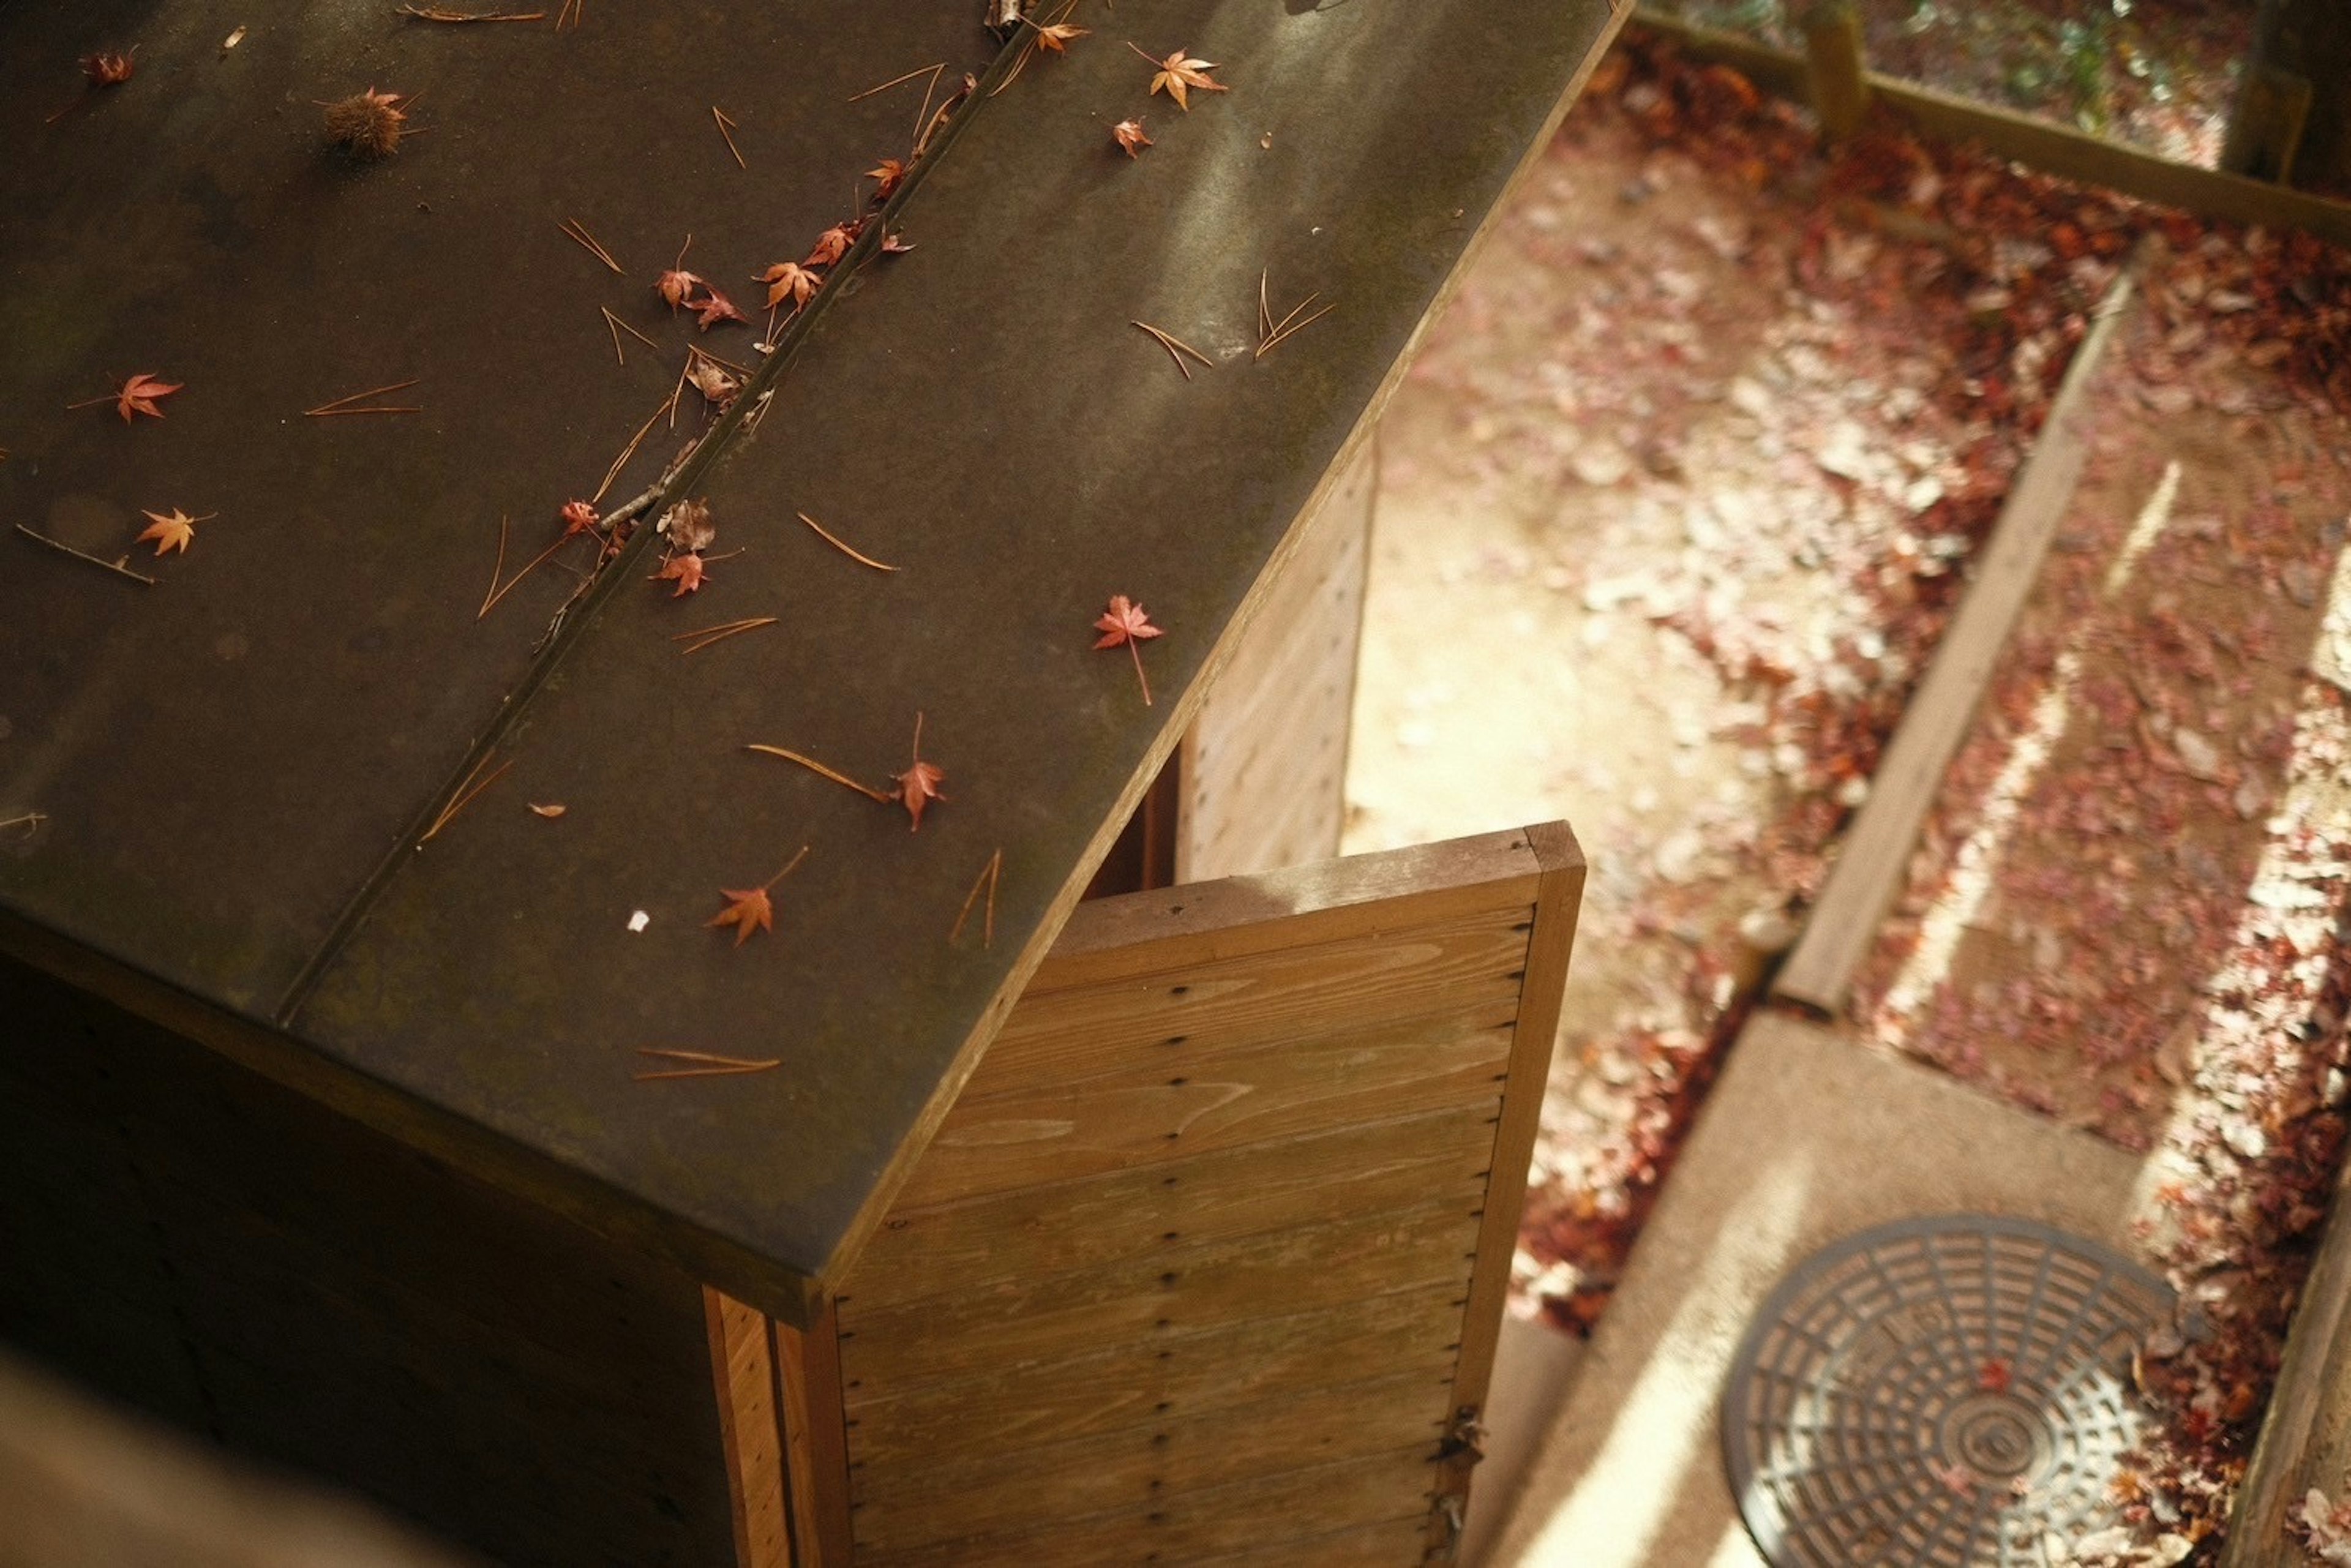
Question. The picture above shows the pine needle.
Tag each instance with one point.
(698, 641)
(615, 326)
(828, 538)
(435, 14)
(115, 567)
(465, 795)
(988, 875)
(705, 1065)
(339, 405)
(631, 450)
(726, 129)
(893, 81)
(822, 771)
(578, 232)
(1177, 348)
(1271, 332)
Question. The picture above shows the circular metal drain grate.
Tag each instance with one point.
(1938, 1393)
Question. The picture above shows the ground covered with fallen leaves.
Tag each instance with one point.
(1674, 509)
(2161, 73)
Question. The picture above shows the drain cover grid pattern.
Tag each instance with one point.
(1939, 1393)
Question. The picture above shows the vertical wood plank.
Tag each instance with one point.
(743, 1363)
(1559, 902)
(1840, 81)
(816, 1440)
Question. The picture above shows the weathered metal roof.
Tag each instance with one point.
(234, 767)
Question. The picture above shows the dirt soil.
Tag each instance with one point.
(1673, 510)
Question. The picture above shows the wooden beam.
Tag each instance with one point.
(2042, 144)
(742, 1362)
(1875, 856)
(816, 1441)
(2306, 1437)
(1559, 901)
(1839, 71)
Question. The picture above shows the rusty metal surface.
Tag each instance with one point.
(979, 413)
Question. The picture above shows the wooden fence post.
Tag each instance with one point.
(1840, 76)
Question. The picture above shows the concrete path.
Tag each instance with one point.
(1808, 1138)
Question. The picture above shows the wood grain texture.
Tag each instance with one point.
(1184, 1289)
(1129, 1121)
(1264, 764)
(1132, 1384)
(306, 1292)
(1134, 1467)
(1875, 855)
(743, 1367)
(968, 1246)
(816, 1461)
(1558, 908)
(1251, 1515)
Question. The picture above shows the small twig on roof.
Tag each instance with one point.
(113, 566)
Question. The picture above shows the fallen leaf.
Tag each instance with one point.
(677, 286)
(714, 307)
(895, 244)
(175, 531)
(789, 280)
(686, 569)
(887, 176)
(1126, 624)
(918, 786)
(108, 68)
(687, 526)
(1994, 1376)
(550, 811)
(711, 379)
(1179, 71)
(1129, 134)
(834, 242)
(139, 395)
(749, 909)
(1056, 36)
(579, 517)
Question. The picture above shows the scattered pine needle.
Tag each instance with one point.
(615, 326)
(704, 1064)
(435, 14)
(635, 441)
(922, 116)
(698, 641)
(464, 797)
(113, 566)
(578, 233)
(1271, 332)
(29, 820)
(828, 538)
(822, 771)
(341, 405)
(571, 8)
(727, 130)
(1177, 348)
(989, 876)
(893, 81)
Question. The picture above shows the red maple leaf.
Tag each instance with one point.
(789, 280)
(1994, 1376)
(919, 785)
(716, 308)
(139, 395)
(1125, 623)
(1179, 71)
(1129, 134)
(677, 286)
(686, 569)
(895, 244)
(1056, 36)
(749, 909)
(834, 242)
(579, 517)
(108, 68)
(887, 176)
